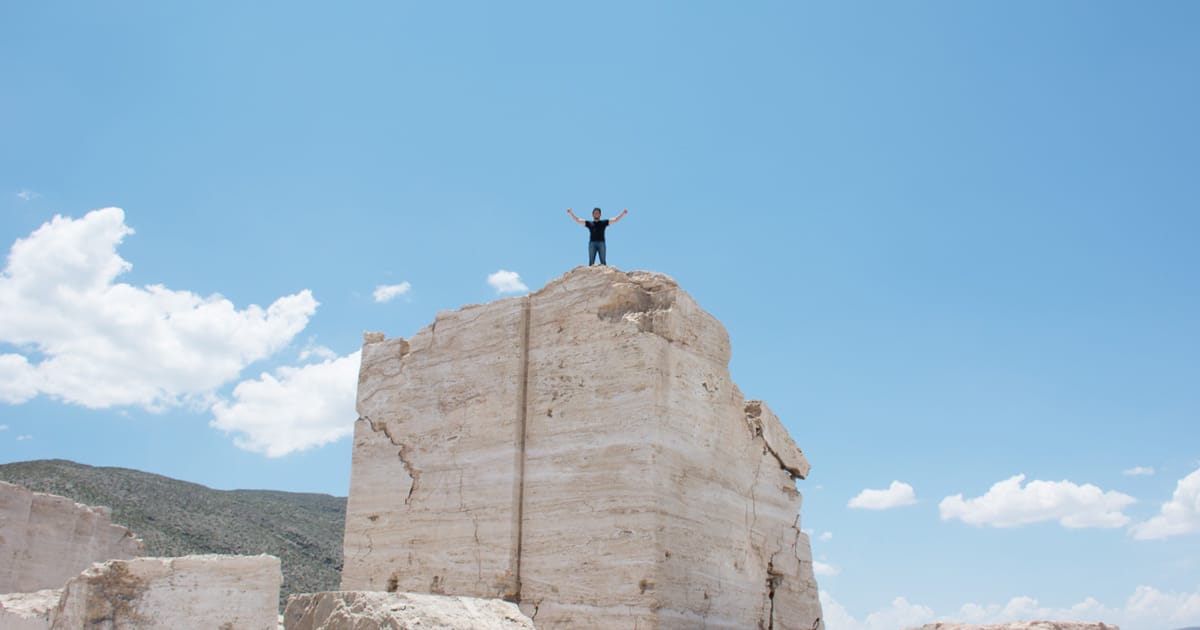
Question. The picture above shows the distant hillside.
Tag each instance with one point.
(177, 518)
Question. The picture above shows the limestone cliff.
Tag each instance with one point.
(581, 451)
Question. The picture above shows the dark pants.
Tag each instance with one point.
(595, 247)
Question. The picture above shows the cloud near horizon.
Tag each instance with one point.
(1146, 609)
(85, 339)
(1180, 515)
(896, 495)
(1009, 504)
(292, 409)
(504, 281)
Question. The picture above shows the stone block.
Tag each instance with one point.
(361, 610)
(46, 540)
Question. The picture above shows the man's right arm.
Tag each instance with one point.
(577, 219)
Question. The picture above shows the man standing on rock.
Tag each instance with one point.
(596, 226)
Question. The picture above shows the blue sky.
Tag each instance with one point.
(953, 244)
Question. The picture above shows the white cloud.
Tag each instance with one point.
(506, 282)
(1147, 609)
(294, 409)
(826, 536)
(1008, 504)
(901, 614)
(3, 427)
(318, 351)
(86, 339)
(897, 495)
(27, 195)
(1138, 471)
(389, 292)
(22, 438)
(821, 568)
(1180, 515)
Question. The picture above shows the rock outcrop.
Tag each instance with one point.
(400, 611)
(219, 592)
(581, 451)
(28, 611)
(1023, 625)
(46, 539)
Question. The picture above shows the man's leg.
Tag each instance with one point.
(592, 253)
(603, 250)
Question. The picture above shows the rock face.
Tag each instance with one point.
(356, 610)
(46, 539)
(28, 611)
(1023, 625)
(218, 592)
(582, 451)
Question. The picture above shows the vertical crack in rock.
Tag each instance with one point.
(521, 433)
(774, 578)
(754, 420)
(402, 454)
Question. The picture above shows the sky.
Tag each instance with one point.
(953, 243)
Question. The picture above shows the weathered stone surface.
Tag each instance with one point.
(583, 451)
(28, 611)
(217, 592)
(1023, 625)
(46, 539)
(360, 610)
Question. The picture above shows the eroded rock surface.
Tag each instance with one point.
(218, 592)
(356, 610)
(46, 539)
(582, 451)
(28, 611)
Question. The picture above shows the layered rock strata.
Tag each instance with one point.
(47, 539)
(400, 611)
(219, 592)
(582, 451)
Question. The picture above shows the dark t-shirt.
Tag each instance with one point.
(597, 228)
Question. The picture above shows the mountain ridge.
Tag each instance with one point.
(175, 517)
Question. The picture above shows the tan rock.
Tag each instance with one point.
(189, 592)
(583, 451)
(46, 539)
(359, 610)
(28, 611)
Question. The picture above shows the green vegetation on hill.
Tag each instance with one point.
(177, 518)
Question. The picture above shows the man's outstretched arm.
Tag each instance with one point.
(577, 219)
(618, 217)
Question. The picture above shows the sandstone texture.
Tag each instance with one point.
(1023, 625)
(581, 451)
(358, 610)
(46, 539)
(189, 592)
(28, 611)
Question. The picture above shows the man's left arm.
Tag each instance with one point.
(619, 216)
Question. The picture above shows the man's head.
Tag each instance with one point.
(595, 213)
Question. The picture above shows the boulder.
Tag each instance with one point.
(581, 451)
(351, 610)
(209, 591)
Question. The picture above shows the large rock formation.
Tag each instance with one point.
(46, 539)
(582, 451)
(355, 610)
(219, 592)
